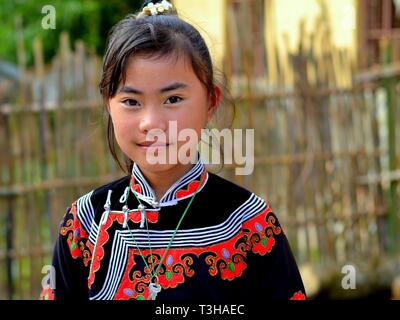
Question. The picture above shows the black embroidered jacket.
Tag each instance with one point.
(229, 247)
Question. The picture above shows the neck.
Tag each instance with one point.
(163, 180)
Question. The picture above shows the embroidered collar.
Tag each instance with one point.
(181, 189)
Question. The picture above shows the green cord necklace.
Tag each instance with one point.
(154, 286)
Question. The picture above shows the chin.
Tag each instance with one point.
(144, 165)
(158, 163)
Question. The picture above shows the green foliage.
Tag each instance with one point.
(89, 20)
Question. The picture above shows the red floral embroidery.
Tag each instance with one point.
(47, 294)
(227, 259)
(260, 231)
(192, 187)
(175, 268)
(298, 296)
(77, 236)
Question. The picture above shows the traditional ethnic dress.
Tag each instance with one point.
(229, 246)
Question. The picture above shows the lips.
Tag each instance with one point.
(152, 144)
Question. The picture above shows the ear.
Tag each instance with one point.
(215, 102)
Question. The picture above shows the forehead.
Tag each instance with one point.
(153, 70)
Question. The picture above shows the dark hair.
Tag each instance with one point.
(153, 36)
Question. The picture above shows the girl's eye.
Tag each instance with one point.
(173, 99)
(130, 102)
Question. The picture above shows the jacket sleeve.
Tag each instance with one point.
(272, 270)
(71, 261)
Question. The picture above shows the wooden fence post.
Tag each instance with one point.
(9, 200)
(390, 85)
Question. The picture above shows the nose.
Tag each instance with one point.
(152, 119)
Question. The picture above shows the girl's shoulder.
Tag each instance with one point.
(227, 189)
(229, 194)
(219, 181)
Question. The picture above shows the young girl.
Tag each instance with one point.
(167, 231)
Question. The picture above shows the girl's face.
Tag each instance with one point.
(157, 91)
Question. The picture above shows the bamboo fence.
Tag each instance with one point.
(327, 149)
(53, 148)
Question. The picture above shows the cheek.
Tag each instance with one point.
(196, 116)
(123, 126)
(191, 124)
(194, 121)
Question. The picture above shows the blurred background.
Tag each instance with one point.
(318, 80)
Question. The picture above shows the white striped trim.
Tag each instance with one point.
(190, 237)
(93, 233)
(201, 236)
(114, 274)
(170, 195)
(85, 211)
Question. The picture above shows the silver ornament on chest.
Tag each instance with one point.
(142, 209)
(154, 288)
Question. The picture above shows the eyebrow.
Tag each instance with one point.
(174, 86)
